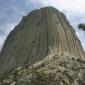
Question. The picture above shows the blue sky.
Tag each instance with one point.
(11, 12)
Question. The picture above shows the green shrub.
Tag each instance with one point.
(40, 78)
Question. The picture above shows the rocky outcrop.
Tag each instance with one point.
(56, 70)
(41, 33)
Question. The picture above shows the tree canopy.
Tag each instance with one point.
(81, 26)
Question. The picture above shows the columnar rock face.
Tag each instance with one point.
(41, 33)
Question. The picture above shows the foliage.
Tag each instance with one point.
(40, 78)
(81, 26)
(4, 76)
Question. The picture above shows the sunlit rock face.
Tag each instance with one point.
(41, 33)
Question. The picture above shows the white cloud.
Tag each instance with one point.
(68, 5)
(9, 27)
(1, 42)
(81, 35)
(17, 10)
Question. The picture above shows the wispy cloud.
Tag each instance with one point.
(10, 15)
(69, 5)
(1, 41)
(5, 31)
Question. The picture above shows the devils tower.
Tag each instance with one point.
(43, 32)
